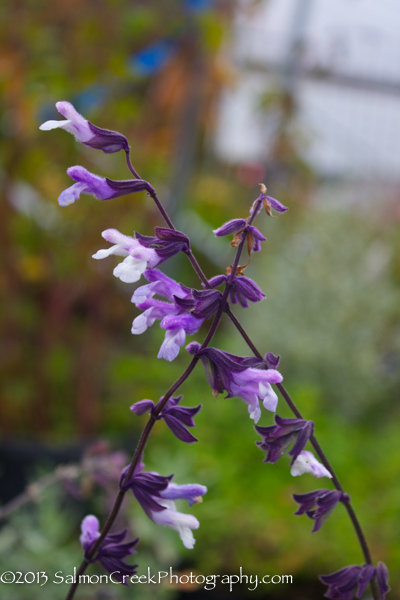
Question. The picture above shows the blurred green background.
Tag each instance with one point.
(70, 367)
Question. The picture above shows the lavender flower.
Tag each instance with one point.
(176, 417)
(245, 377)
(156, 495)
(111, 552)
(85, 132)
(324, 501)
(137, 260)
(278, 437)
(307, 463)
(351, 582)
(243, 289)
(175, 316)
(99, 187)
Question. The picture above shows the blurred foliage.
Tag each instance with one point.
(70, 368)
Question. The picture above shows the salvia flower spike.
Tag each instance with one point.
(249, 378)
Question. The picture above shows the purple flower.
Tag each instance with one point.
(307, 463)
(156, 495)
(324, 502)
(239, 226)
(177, 326)
(246, 377)
(278, 437)
(382, 576)
(243, 289)
(99, 187)
(275, 204)
(178, 418)
(137, 260)
(175, 316)
(268, 203)
(85, 132)
(111, 552)
(230, 227)
(351, 582)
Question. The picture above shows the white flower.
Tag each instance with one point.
(180, 522)
(307, 463)
(138, 258)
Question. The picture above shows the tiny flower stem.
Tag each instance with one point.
(129, 163)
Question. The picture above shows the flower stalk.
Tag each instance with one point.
(246, 377)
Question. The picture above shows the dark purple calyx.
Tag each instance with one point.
(279, 437)
(128, 186)
(107, 140)
(177, 418)
(166, 242)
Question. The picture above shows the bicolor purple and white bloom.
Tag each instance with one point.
(101, 188)
(279, 437)
(177, 418)
(318, 505)
(246, 377)
(175, 316)
(85, 132)
(307, 463)
(111, 552)
(156, 494)
(351, 582)
(138, 258)
(243, 289)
